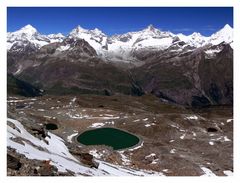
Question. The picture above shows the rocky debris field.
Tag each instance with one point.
(175, 140)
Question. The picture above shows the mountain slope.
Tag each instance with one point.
(193, 79)
(54, 151)
(18, 87)
(172, 67)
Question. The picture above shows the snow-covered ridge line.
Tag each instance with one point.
(123, 44)
(29, 34)
(57, 152)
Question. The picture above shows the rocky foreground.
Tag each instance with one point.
(175, 140)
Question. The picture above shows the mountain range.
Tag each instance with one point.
(190, 70)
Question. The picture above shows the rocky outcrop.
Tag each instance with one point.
(19, 165)
(85, 158)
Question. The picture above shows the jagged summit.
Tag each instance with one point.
(150, 28)
(227, 26)
(29, 29)
(223, 35)
(196, 34)
(78, 29)
(28, 35)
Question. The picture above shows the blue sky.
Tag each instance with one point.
(118, 20)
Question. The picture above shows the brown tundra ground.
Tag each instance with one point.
(175, 140)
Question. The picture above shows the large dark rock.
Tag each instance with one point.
(85, 158)
(13, 162)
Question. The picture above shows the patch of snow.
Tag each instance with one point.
(145, 119)
(207, 172)
(174, 126)
(41, 110)
(228, 172)
(63, 48)
(171, 141)
(229, 120)
(193, 117)
(15, 101)
(109, 115)
(136, 120)
(222, 139)
(211, 143)
(137, 147)
(69, 138)
(150, 155)
(109, 122)
(212, 51)
(120, 171)
(125, 159)
(183, 136)
(155, 161)
(72, 101)
(77, 116)
(226, 139)
(96, 125)
(194, 134)
(173, 151)
(151, 124)
(103, 118)
(19, 70)
(96, 154)
(49, 117)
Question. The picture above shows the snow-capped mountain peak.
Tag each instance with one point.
(28, 29)
(78, 30)
(196, 34)
(196, 39)
(29, 35)
(223, 35)
(96, 38)
(97, 31)
(26, 32)
(151, 28)
(227, 28)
